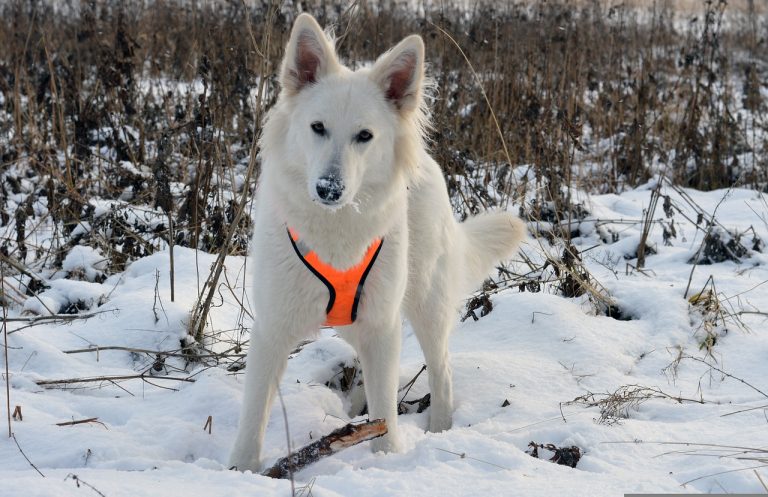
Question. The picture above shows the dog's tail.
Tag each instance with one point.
(490, 238)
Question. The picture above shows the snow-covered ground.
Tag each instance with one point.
(536, 351)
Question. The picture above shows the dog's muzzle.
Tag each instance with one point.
(329, 189)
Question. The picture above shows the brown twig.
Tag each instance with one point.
(79, 480)
(13, 435)
(761, 480)
(748, 409)
(704, 241)
(66, 381)
(337, 440)
(407, 386)
(34, 320)
(5, 344)
(81, 421)
(723, 473)
(163, 353)
(726, 374)
(463, 455)
(648, 223)
(208, 424)
(20, 268)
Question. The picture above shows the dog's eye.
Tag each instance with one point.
(318, 128)
(364, 136)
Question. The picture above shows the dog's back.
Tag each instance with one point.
(464, 253)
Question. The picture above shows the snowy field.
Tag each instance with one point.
(515, 371)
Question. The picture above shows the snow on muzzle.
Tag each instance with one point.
(330, 188)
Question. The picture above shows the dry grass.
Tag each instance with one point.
(129, 126)
(618, 405)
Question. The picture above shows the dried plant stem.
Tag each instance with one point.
(724, 373)
(761, 480)
(66, 381)
(170, 254)
(744, 410)
(56, 317)
(704, 241)
(648, 223)
(5, 344)
(23, 270)
(479, 83)
(80, 422)
(408, 385)
(463, 455)
(79, 480)
(20, 267)
(36, 320)
(286, 466)
(13, 435)
(164, 353)
(723, 473)
(203, 306)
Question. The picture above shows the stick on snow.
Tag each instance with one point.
(337, 440)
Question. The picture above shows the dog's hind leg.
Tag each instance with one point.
(432, 326)
(266, 361)
(378, 348)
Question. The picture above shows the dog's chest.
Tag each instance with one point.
(285, 285)
(345, 287)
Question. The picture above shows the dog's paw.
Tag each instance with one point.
(438, 423)
(244, 463)
(387, 443)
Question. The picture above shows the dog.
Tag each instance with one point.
(354, 228)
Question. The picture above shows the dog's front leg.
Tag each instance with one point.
(378, 348)
(266, 361)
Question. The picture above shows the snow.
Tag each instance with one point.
(538, 351)
(87, 261)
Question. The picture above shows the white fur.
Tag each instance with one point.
(392, 189)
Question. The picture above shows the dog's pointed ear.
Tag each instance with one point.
(400, 73)
(309, 56)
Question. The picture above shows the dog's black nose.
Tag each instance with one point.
(329, 188)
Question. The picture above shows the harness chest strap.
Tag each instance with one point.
(345, 288)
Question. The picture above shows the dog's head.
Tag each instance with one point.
(347, 133)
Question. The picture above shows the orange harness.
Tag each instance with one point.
(344, 287)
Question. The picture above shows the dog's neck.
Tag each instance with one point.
(340, 237)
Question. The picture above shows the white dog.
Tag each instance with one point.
(348, 195)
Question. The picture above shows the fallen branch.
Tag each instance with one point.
(163, 353)
(65, 381)
(337, 440)
(35, 320)
(56, 317)
(81, 421)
